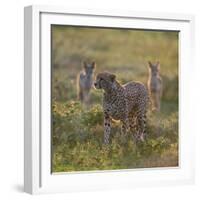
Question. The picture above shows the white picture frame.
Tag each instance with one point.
(37, 147)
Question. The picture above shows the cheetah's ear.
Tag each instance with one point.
(112, 77)
(93, 65)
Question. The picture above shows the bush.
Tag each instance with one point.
(78, 133)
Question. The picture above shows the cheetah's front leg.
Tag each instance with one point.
(107, 128)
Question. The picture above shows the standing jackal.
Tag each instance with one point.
(155, 85)
(85, 81)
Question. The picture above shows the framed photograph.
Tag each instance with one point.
(107, 99)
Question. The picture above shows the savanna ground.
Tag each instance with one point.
(77, 131)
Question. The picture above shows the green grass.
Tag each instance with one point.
(77, 131)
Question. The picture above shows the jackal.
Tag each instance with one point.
(155, 85)
(85, 82)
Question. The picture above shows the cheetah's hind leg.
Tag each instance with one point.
(134, 128)
(123, 133)
(142, 127)
(138, 128)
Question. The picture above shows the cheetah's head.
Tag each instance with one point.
(154, 68)
(89, 67)
(104, 81)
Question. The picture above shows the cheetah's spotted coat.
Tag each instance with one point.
(127, 103)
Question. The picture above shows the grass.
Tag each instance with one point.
(77, 131)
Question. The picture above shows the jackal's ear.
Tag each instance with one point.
(158, 65)
(84, 64)
(93, 65)
(112, 77)
(149, 64)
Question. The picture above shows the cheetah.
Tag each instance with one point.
(127, 103)
(155, 85)
(85, 81)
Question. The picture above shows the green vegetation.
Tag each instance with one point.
(78, 130)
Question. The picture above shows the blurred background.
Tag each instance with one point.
(77, 131)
